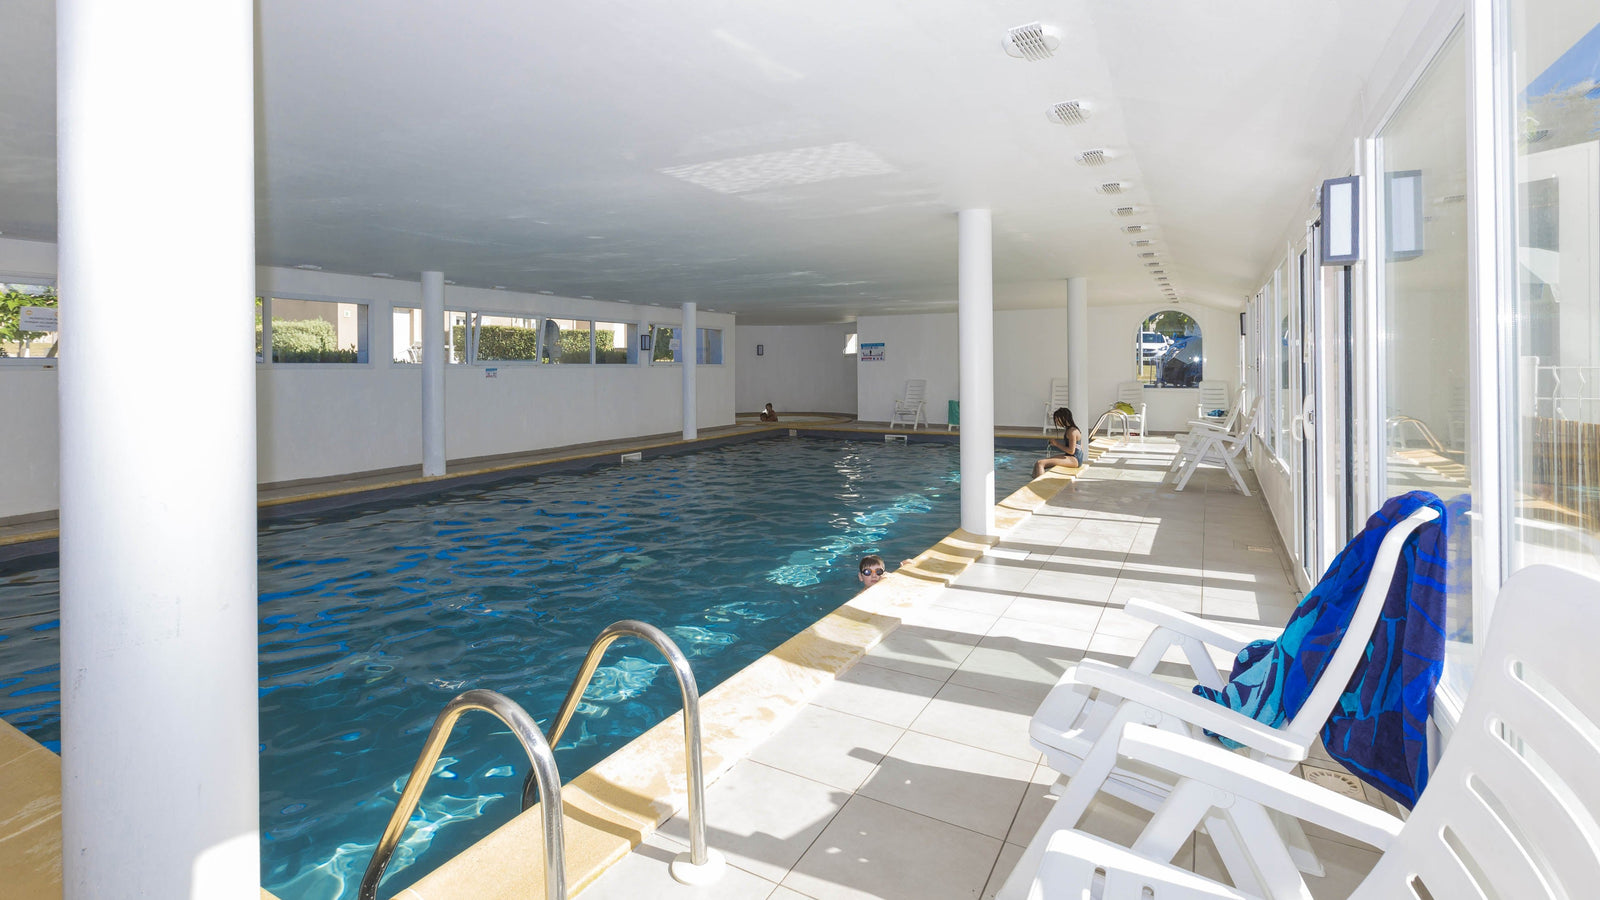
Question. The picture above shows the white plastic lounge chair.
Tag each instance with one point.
(1132, 393)
(1213, 395)
(1058, 399)
(1217, 446)
(1078, 735)
(1190, 441)
(911, 408)
(1509, 811)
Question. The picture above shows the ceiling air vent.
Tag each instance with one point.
(1072, 112)
(1151, 264)
(1135, 229)
(1144, 242)
(1158, 271)
(1149, 254)
(1094, 157)
(1031, 42)
(1125, 211)
(1114, 187)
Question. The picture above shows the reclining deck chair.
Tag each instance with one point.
(1078, 734)
(1213, 396)
(1058, 399)
(911, 408)
(1210, 443)
(1132, 393)
(1189, 441)
(1509, 812)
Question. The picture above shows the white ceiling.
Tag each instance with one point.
(789, 161)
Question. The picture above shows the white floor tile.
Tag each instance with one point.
(645, 873)
(952, 782)
(874, 850)
(829, 746)
(997, 722)
(880, 694)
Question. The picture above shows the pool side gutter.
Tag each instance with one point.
(612, 807)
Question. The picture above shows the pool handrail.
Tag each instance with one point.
(699, 855)
(544, 774)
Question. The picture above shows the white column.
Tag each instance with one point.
(433, 351)
(158, 449)
(975, 324)
(686, 352)
(1078, 351)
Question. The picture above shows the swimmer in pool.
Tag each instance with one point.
(872, 570)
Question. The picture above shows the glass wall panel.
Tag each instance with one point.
(664, 342)
(458, 336)
(1552, 425)
(708, 346)
(407, 331)
(1423, 313)
(615, 342)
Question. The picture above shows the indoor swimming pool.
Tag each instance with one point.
(372, 617)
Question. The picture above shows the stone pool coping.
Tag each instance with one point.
(613, 806)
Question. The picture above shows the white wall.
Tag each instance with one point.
(1031, 349)
(802, 368)
(324, 420)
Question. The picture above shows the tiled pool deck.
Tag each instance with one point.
(911, 775)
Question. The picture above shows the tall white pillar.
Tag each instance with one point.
(975, 325)
(686, 353)
(433, 351)
(1078, 351)
(158, 449)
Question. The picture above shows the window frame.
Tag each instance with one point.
(1138, 362)
(364, 355)
(34, 362)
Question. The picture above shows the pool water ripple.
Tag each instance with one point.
(371, 619)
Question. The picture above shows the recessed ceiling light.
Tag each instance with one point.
(655, 304)
(1032, 42)
(585, 297)
(1070, 112)
(309, 267)
(597, 237)
(381, 275)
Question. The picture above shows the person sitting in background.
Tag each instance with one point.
(769, 414)
(1070, 445)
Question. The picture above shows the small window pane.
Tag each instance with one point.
(318, 331)
(507, 338)
(22, 303)
(407, 346)
(1167, 350)
(708, 346)
(457, 336)
(568, 342)
(664, 343)
(614, 343)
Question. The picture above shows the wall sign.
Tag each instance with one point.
(871, 352)
(761, 349)
(39, 318)
(491, 372)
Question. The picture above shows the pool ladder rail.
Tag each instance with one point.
(699, 865)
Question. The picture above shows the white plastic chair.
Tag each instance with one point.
(912, 407)
(1189, 442)
(1207, 443)
(1509, 811)
(1213, 395)
(1058, 399)
(1132, 393)
(1078, 735)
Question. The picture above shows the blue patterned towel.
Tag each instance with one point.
(1378, 729)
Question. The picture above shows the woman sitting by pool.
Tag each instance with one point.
(1070, 445)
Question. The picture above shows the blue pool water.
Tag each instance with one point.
(371, 619)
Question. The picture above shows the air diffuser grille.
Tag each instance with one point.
(1144, 242)
(1031, 42)
(1094, 157)
(1149, 254)
(1114, 187)
(1135, 229)
(1125, 211)
(1072, 112)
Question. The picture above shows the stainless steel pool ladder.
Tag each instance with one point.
(700, 865)
(544, 774)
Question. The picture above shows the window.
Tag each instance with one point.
(314, 331)
(615, 342)
(1167, 350)
(1551, 440)
(1423, 360)
(708, 346)
(664, 343)
(500, 338)
(27, 321)
(407, 329)
(568, 342)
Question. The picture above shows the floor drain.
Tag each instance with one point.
(1338, 782)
